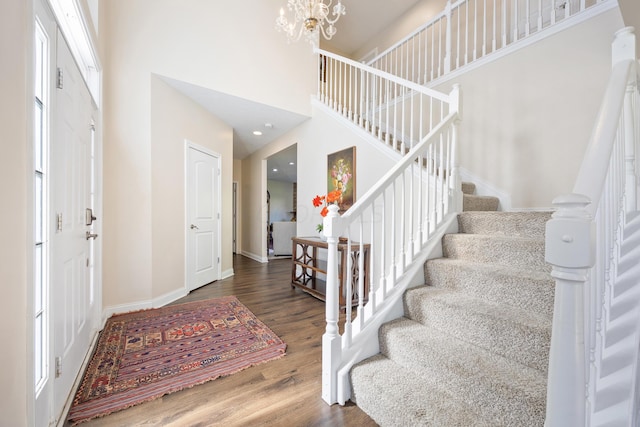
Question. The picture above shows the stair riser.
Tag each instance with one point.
(467, 379)
(479, 203)
(532, 294)
(527, 254)
(523, 343)
(515, 224)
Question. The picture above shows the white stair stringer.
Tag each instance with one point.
(617, 382)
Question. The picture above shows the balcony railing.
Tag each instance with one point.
(467, 30)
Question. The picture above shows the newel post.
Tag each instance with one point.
(331, 340)
(570, 243)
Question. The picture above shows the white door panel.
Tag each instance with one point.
(73, 315)
(203, 219)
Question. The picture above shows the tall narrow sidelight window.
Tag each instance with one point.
(40, 191)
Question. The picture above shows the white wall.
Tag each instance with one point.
(15, 190)
(185, 41)
(316, 138)
(281, 200)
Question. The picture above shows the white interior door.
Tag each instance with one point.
(74, 315)
(202, 217)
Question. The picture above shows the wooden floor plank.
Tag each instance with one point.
(283, 392)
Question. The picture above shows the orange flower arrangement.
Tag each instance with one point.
(325, 201)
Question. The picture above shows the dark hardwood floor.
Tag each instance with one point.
(284, 392)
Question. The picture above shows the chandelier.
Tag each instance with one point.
(309, 19)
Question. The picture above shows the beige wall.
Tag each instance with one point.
(184, 41)
(527, 117)
(15, 215)
(175, 118)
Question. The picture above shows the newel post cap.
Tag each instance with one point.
(570, 234)
(330, 226)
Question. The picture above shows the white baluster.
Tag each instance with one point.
(455, 97)
(475, 29)
(466, 32)
(447, 53)
(539, 15)
(516, 20)
(458, 37)
(484, 28)
(495, 27)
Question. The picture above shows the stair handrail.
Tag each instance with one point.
(581, 241)
(480, 28)
(385, 237)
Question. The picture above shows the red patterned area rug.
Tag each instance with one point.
(143, 355)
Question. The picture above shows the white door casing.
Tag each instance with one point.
(202, 225)
(74, 315)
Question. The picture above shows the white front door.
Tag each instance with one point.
(73, 308)
(202, 216)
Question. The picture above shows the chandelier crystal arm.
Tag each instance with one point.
(309, 19)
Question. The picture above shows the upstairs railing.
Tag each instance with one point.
(583, 243)
(395, 111)
(467, 30)
(387, 230)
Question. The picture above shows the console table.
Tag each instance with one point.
(308, 269)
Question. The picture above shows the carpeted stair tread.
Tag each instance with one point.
(471, 202)
(500, 389)
(519, 252)
(468, 187)
(526, 289)
(515, 224)
(395, 396)
(507, 331)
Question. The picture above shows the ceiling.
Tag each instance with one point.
(363, 20)
(283, 165)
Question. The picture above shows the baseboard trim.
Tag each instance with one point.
(255, 257)
(160, 301)
(227, 273)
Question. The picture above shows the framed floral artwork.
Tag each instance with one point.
(341, 175)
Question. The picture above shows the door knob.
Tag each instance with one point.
(89, 235)
(194, 227)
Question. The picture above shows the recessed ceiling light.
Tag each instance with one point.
(291, 163)
(275, 170)
(257, 133)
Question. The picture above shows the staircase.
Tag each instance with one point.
(472, 348)
(475, 342)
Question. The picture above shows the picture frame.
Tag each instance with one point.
(341, 175)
